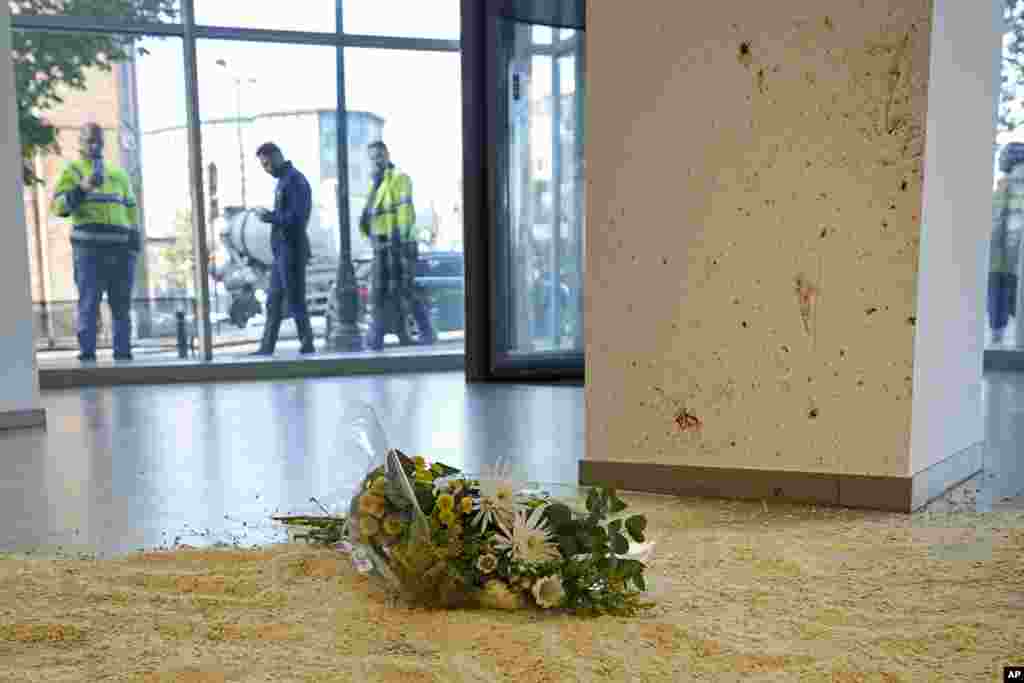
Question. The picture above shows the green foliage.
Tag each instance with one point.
(595, 579)
(48, 65)
(178, 259)
(1010, 111)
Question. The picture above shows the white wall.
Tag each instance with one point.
(956, 214)
(19, 386)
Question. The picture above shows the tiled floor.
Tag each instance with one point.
(142, 466)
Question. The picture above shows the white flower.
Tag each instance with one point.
(548, 591)
(498, 496)
(528, 538)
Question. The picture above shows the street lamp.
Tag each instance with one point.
(238, 120)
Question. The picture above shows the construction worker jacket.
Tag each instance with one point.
(108, 216)
(1008, 222)
(390, 209)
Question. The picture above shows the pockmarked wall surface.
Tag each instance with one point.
(754, 204)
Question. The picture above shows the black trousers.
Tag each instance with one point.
(287, 283)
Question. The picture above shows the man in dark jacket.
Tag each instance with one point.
(289, 243)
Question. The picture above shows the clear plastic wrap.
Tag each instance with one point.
(441, 538)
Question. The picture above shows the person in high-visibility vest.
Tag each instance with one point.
(98, 198)
(389, 221)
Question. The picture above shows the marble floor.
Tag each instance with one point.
(130, 467)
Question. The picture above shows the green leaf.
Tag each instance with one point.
(569, 546)
(446, 470)
(636, 525)
(615, 526)
(619, 544)
(557, 515)
(617, 505)
(593, 501)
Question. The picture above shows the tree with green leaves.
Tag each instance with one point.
(1011, 113)
(47, 64)
(178, 259)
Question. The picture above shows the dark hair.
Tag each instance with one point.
(268, 149)
(378, 144)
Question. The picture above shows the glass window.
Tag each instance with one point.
(132, 88)
(544, 233)
(130, 11)
(421, 124)
(248, 96)
(438, 19)
(318, 16)
(1005, 322)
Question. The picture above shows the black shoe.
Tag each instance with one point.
(87, 357)
(306, 350)
(123, 356)
(262, 352)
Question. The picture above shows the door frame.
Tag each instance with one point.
(485, 136)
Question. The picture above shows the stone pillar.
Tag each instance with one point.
(789, 213)
(19, 380)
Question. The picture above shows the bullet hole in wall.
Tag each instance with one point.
(842, 353)
(912, 320)
(903, 186)
(871, 311)
(744, 324)
(813, 413)
(664, 261)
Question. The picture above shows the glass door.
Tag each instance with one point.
(539, 238)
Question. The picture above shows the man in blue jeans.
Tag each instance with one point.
(289, 242)
(105, 241)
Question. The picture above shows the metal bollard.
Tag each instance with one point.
(182, 337)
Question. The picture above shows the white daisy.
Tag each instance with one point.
(528, 538)
(499, 487)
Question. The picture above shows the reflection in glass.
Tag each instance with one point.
(545, 221)
(130, 87)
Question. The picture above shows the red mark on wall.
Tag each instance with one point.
(807, 296)
(686, 422)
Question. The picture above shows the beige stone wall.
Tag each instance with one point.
(754, 220)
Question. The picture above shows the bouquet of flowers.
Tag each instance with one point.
(441, 538)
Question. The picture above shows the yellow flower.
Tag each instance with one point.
(467, 505)
(420, 462)
(486, 563)
(372, 504)
(393, 525)
(368, 526)
(379, 485)
(446, 517)
(424, 476)
(446, 502)
(496, 595)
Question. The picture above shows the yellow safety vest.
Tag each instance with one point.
(392, 207)
(106, 216)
